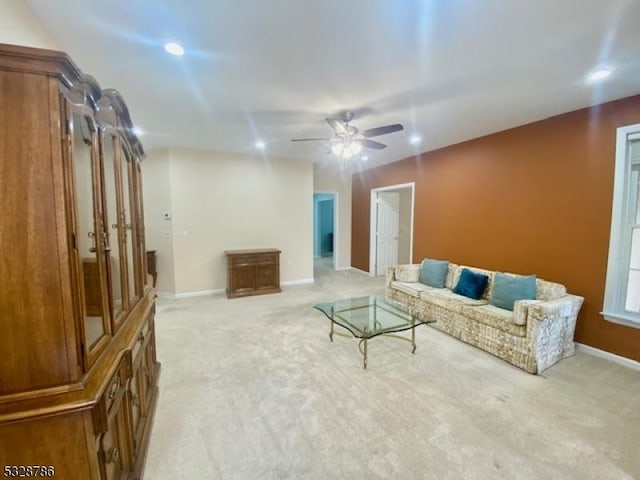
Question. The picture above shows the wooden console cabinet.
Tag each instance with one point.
(78, 375)
(253, 272)
(151, 266)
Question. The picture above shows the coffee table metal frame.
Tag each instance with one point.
(351, 313)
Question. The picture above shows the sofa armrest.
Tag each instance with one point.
(566, 306)
(390, 276)
(551, 326)
(403, 273)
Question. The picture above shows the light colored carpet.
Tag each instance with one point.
(251, 388)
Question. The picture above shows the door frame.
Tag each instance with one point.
(336, 231)
(373, 243)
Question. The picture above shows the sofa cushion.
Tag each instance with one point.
(451, 279)
(521, 310)
(489, 273)
(471, 284)
(445, 298)
(494, 317)
(410, 288)
(434, 272)
(508, 288)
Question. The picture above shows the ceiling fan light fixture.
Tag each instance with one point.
(346, 148)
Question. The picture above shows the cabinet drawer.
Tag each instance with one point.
(243, 260)
(116, 387)
(270, 259)
(141, 340)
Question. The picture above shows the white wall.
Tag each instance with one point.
(19, 26)
(224, 201)
(157, 200)
(335, 179)
(404, 227)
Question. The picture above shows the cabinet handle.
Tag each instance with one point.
(135, 400)
(92, 236)
(141, 337)
(113, 455)
(115, 388)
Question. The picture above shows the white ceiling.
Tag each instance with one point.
(449, 70)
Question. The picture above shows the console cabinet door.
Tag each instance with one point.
(112, 206)
(129, 208)
(113, 455)
(88, 237)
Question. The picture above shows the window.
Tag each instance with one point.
(622, 292)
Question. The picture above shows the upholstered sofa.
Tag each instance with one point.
(535, 335)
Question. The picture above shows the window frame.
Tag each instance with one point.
(619, 245)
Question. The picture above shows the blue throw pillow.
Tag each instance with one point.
(434, 272)
(471, 284)
(509, 288)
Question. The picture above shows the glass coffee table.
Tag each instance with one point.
(368, 317)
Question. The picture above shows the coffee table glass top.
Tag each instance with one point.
(367, 317)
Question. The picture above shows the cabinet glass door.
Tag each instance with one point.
(114, 226)
(89, 236)
(128, 209)
(147, 279)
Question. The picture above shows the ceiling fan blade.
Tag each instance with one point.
(374, 132)
(310, 139)
(337, 126)
(372, 144)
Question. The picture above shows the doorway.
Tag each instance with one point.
(391, 240)
(324, 228)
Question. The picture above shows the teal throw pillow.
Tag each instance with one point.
(434, 272)
(471, 284)
(509, 288)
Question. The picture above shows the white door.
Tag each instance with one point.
(387, 228)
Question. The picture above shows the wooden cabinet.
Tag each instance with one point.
(151, 266)
(252, 272)
(78, 376)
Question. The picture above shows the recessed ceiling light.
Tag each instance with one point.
(415, 139)
(260, 145)
(137, 131)
(599, 74)
(174, 49)
(364, 158)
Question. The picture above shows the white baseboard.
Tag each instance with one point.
(368, 274)
(596, 352)
(302, 281)
(203, 293)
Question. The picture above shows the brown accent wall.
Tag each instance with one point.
(532, 199)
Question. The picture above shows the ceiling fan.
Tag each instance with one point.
(348, 140)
